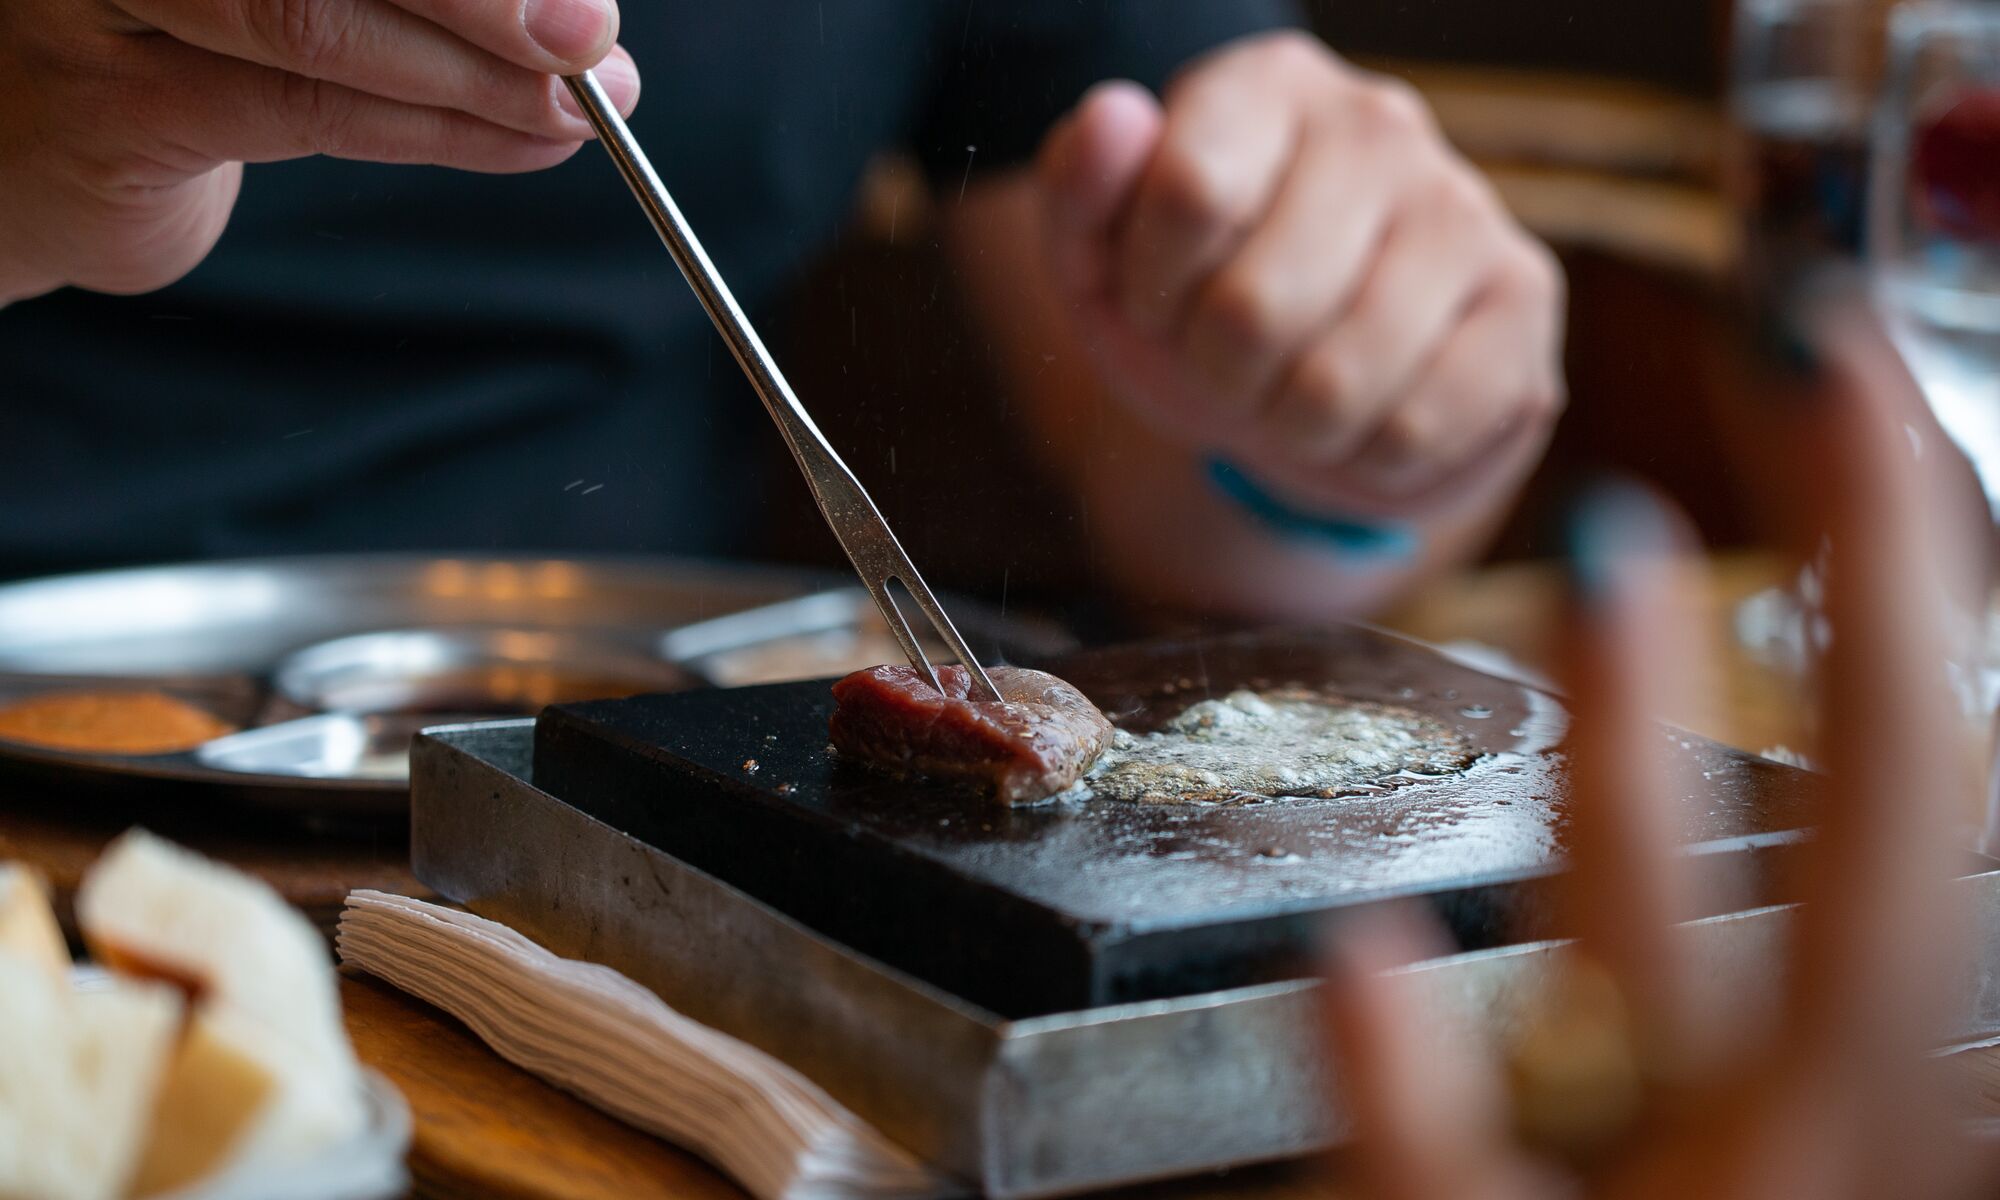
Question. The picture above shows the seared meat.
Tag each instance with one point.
(1038, 740)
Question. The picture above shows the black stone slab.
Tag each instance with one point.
(1084, 902)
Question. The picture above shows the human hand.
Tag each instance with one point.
(1283, 262)
(124, 124)
(1834, 1096)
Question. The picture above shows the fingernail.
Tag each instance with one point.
(1612, 522)
(570, 30)
(620, 81)
(620, 77)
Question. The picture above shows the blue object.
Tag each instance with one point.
(1612, 522)
(1366, 539)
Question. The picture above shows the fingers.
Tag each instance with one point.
(1876, 938)
(1425, 276)
(559, 37)
(1486, 479)
(1296, 271)
(378, 48)
(1286, 264)
(1087, 169)
(225, 109)
(129, 259)
(1497, 371)
(550, 37)
(1427, 1110)
(1632, 653)
(1230, 132)
(1495, 374)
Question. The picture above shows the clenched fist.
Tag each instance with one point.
(1282, 262)
(124, 124)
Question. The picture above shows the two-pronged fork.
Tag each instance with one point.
(878, 558)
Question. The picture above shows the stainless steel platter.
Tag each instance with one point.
(327, 665)
(1045, 1106)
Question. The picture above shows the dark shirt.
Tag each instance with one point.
(381, 358)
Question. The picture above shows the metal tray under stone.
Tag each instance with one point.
(1051, 1105)
(295, 650)
(1093, 900)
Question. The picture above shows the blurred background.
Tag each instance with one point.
(1684, 158)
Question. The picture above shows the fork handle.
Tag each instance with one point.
(857, 524)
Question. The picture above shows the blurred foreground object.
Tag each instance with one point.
(208, 1061)
(1633, 1084)
(1933, 272)
(1934, 233)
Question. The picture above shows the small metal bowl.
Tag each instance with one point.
(469, 672)
(329, 746)
(812, 637)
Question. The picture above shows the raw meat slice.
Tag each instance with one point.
(1038, 740)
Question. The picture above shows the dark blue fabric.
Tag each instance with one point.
(410, 358)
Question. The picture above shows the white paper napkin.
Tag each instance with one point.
(590, 1030)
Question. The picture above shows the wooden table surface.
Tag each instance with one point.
(484, 1128)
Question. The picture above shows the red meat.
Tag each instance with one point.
(1036, 741)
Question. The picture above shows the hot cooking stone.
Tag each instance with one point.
(1085, 902)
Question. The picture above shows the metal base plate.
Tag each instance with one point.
(1044, 1106)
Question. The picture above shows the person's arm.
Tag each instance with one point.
(125, 124)
(1283, 276)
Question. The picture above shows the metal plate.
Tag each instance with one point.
(1047, 1106)
(242, 616)
(214, 633)
(812, 637)
(470, 671)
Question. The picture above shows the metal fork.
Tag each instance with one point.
(873, 549)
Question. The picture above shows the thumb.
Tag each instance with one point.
(1088, 169)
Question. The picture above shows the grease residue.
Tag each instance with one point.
(1280, 742)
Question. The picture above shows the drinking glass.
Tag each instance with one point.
(1934, 230)
(1803, 81)
(1933, 252)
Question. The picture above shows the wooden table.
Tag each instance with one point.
(487, 1129)
(1514, 608)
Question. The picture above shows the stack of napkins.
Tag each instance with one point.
(592, 1031)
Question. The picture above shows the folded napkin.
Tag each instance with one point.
(593, 1032)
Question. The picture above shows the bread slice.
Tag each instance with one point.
(121, 1037)
(28, 925)
(81, 1071)
(261, 978)
(220, 1084)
